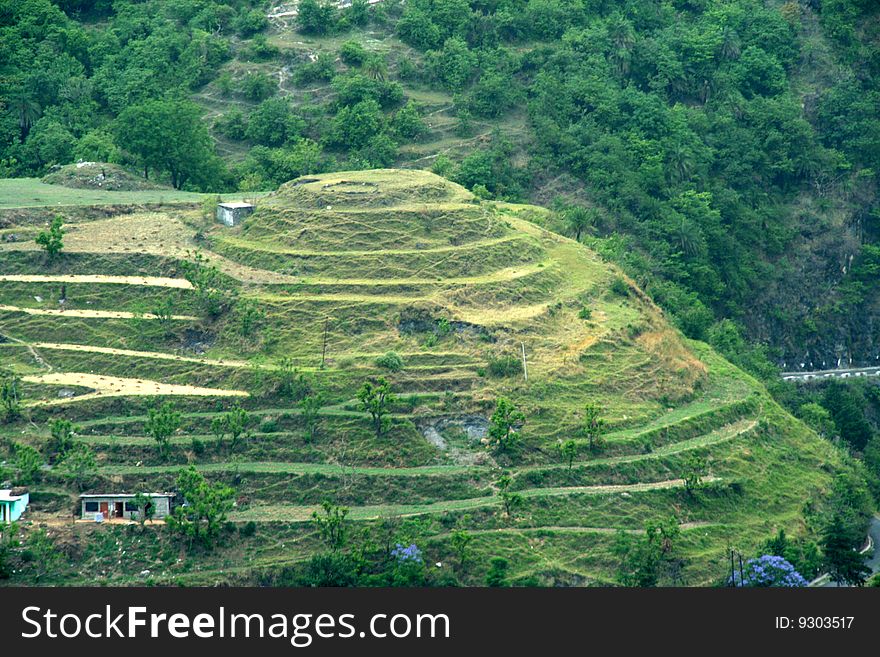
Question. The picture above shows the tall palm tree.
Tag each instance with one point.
(375, 67)
(23, 103)
(578, 219)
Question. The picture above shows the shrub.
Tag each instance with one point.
(585, 313)
(248, 529)
(352, 53)
(390, 361)
(505, 365)
(619, 287)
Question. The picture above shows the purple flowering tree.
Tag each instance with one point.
(768, 570)
(408, 567)
(407, 554)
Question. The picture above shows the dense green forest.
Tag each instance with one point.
(724, 152)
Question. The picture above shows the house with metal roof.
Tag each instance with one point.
(100, 507)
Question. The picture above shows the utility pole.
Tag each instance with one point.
(525, 364)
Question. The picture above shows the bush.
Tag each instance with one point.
(248, 529)
(352, 53)
(585, 313)
(505, 365)
(257, 86)
(390, 361)
(619, 287)
(251, 22)
(319, 70)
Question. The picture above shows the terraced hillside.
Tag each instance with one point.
(305, 300)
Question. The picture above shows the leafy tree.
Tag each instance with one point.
(354, 126)
(594, 426)
(28, 463)
(842, 560)
(568, 451)
(353, 53)
(251, 22)
(248, 317)
(497, 575)
(408, 123)
(460, 541)
(310, 409)
(454, 65)
(79, 465)
(693, 470)
(169, 136)
(161, 424)
(291, 382)
(847, 410)
(504, 425)
(334, 569)
(273, 123)
(315, 17)
(236, 423)
(52, 240)
(145, 508)
(358, 12)
(10, 399)
(257, 86)
(63, 432)
(510, 500)
(376, 399)
(331, 525)
(818, 419)
(645, 560)
(201, 518)
(212, 293)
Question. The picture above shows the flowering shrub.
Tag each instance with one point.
(407, 554)
(768, 570)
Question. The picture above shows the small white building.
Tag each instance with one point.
(233, 213)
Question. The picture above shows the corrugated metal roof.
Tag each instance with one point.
(125, 495)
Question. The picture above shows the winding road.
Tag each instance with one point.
(843, 373)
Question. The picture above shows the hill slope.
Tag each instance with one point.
(342, 269)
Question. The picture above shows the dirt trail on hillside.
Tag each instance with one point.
(277, 512)
(148, 281)
(110, 386)
(158, 355)
(92, 314)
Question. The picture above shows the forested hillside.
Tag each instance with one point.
(725, 153)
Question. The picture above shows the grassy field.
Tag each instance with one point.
(33, 193)
(338, 270)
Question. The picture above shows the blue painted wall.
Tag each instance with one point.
(12, 510)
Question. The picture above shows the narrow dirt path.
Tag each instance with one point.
(148, 281)
(303, 513)
(91, 314)
(33, 352)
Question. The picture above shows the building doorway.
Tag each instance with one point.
(117, 511)
(104, 508)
